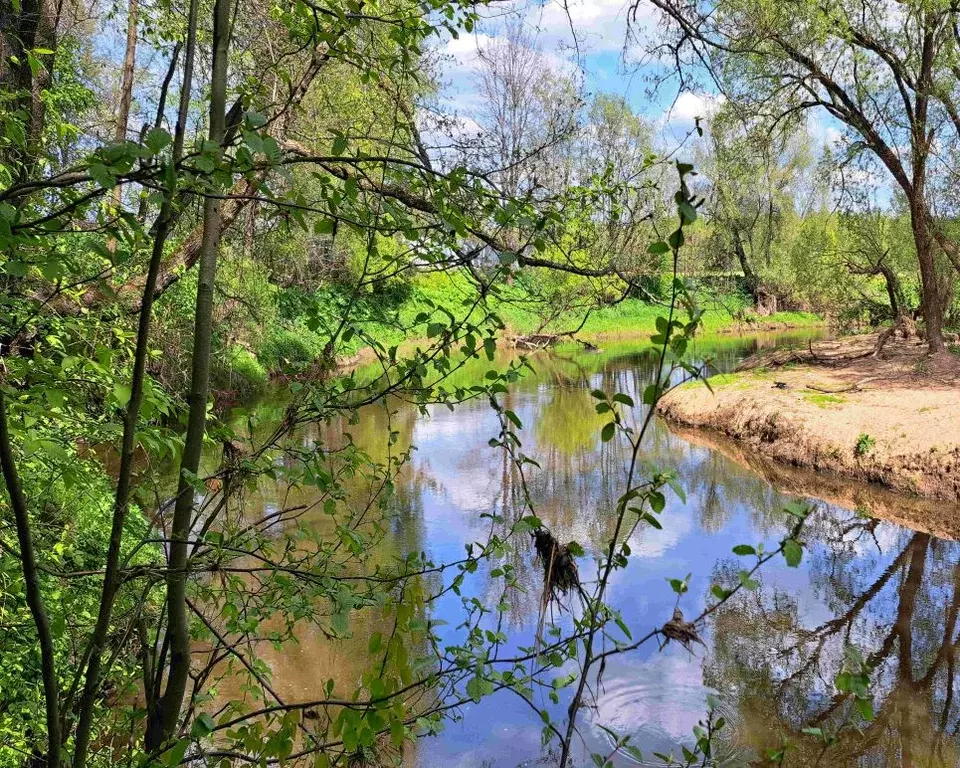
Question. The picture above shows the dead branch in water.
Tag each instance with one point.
(537, 341)
(560, 574)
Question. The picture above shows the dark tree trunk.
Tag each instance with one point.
(750, 279)
(894, 292)
(163, 726)
(930, 292)
(33, 26)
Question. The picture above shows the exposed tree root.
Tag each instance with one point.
(852, 388)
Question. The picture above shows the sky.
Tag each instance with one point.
(608, 63)
(600, 51)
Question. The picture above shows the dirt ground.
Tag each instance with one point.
(892, 419)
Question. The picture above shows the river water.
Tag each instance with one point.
(880, 572)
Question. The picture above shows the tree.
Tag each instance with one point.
(527, 112)
(885, 76)
(754, 175)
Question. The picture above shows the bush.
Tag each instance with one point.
(865, 444)
(288, 347)
(239, 370)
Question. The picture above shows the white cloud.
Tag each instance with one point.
(601, 25)
(823, 129)
(465, 51)
(689, 106)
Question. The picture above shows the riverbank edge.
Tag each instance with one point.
(792, 321)
(242, 384)
(803, 426)
(917, 513)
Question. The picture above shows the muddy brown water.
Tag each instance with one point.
(879, 572)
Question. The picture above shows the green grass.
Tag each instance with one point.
(396, 315)
(730, 380)
(823, 400)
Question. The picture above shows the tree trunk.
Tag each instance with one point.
(894, 292)
(126, 97)
(33, 26)
(161, 728)
(129, 62)
(18, 503)
(111, 580)
(751, 282)
(931, 307)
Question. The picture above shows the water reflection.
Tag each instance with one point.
(890, 592)
(771, 655)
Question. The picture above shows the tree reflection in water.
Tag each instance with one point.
(773, 655)
(894, 595)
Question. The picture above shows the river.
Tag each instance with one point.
(879, 572)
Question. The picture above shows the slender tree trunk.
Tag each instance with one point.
(51, 686)
(894, 292)
(161, 728)
(111, 581)
(920, 218)
(126, 97)
(129, 63)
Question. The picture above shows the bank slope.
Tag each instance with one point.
(887, 420)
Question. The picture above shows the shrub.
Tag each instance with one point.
(239, 370)
(288, 347)
(864, 445)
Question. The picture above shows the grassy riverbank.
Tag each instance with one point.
(893, 419)
(304, 321)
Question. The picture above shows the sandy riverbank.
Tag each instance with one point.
(893, 419)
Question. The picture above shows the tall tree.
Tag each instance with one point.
(162, 726)
(884, 72)
(753, 173)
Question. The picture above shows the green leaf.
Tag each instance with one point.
(792, 552)
(650, 394)
(121, 393)
(744, 549)
(100, 174)
(202, 726)
(175, 754)
(156, 139)
(719, 592)
(797, 509)
(475, 688)
(652, 520)
(622, 398)
(608, 431)
(339, 145)
(746, 582)
(688, 214)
